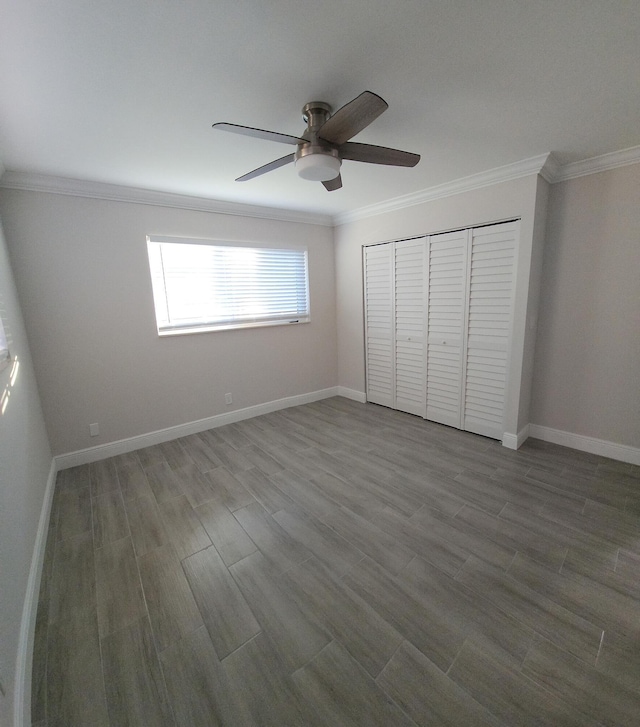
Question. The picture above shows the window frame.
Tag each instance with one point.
(209, 327)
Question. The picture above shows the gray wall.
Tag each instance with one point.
(25, 462)
(82, 271)
(587, 367)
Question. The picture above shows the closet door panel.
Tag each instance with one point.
(489, 328)
(379, 323)
(410, 326)
(446, 321)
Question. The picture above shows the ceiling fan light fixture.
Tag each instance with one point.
(318, 166)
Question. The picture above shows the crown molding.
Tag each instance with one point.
(601, 163)
(118, 193)
(550, 169)
(546, 165)
(524, 168)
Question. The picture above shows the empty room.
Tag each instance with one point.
(319, 363)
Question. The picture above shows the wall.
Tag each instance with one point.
(587, 369)
(82, 271)
(533, 302)
(25, 468)
(524, 198)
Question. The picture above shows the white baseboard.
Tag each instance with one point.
(352, 394)
(24, 660)
(121, 446)
(621, 452)
(515, 441)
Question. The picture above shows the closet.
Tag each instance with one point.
(438, 317)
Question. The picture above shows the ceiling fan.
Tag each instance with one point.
(325, 142)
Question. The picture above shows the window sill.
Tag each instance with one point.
(187, 330)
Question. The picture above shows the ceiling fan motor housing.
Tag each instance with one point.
(315, 113)
(316, 160)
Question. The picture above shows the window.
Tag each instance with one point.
(200, 285)
(4, 348)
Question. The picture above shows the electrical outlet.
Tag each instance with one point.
(94, 430)
(228, 399)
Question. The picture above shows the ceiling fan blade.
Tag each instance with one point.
(377, 154)
(333, 184)
(258, 133)
(267, 168)
(352, 118)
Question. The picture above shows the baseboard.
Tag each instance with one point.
(121, 446)
(24, 660)
(352, 394)
(515, 441)
(621, 452)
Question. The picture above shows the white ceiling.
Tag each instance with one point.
(125, 91)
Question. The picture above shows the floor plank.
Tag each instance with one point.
(120, 601)
(509, 694)
(104, 477)
(75, 690)
(172, 609)
(224, 610)
(145, 523)
(341, 692)
(443, 704)
(328, 546)
(73, 579)
(75, 508)
(261, 684)
(348, 618)
(163, 481)
(588, 690)
(274, 542)
(109, 518)
(135, 688)
(409, 615)
(133, 480)
(554, 622)
(226, 533)
(183, 527)
(198, 685)
(297, 638)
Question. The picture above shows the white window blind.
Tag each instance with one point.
(203, 285)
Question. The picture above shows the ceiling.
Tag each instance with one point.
(125, 91)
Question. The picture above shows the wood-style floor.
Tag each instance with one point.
(341, 564)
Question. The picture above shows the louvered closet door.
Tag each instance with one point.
(488, 331)
(379, 324)
(410, 326)
(446, 316)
